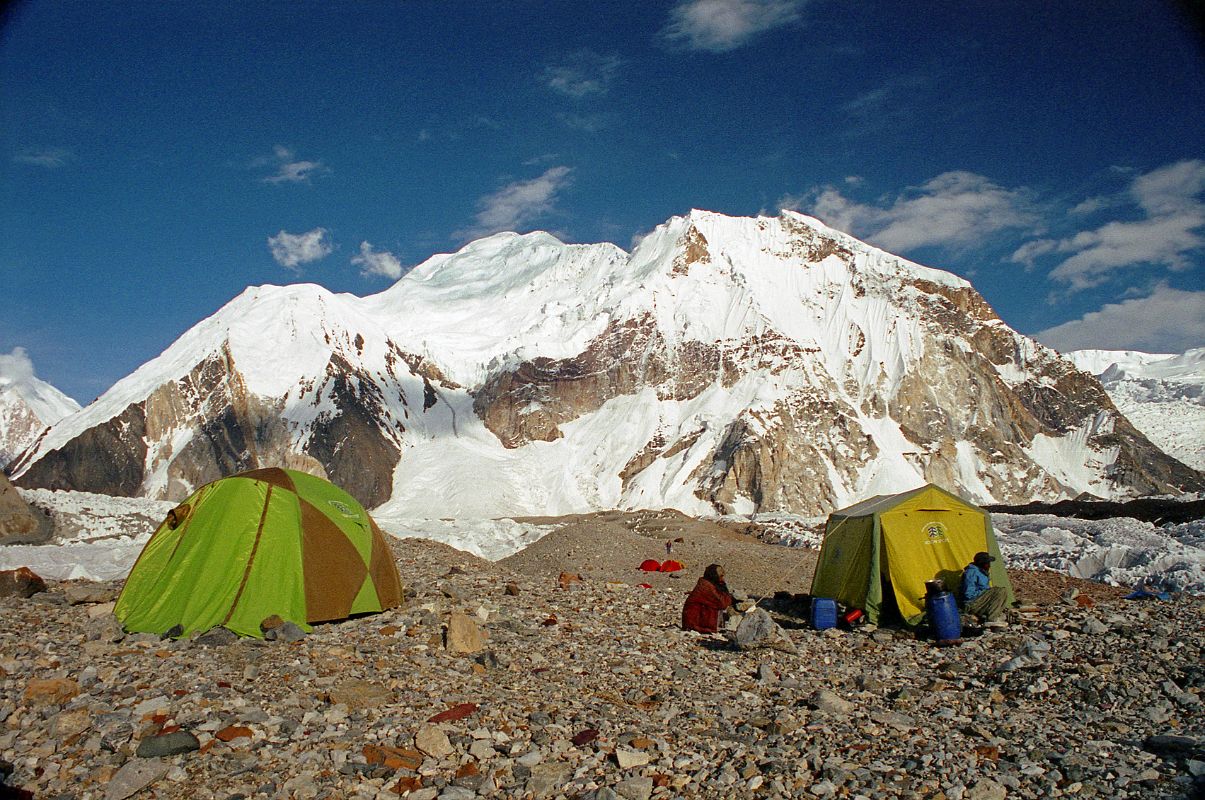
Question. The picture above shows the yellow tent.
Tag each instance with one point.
(901, 541)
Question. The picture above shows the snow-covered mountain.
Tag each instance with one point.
(726, 364)
(27, 405)
(1163, 395)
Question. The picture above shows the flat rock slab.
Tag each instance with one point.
(133, 777)
(167, 744)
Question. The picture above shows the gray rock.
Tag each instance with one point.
(1093, 626)
(457, 793)
(602, 793)
(635, 788)
(547, 778)
(167, 744)
(135, 776)
(431, 740)
(758, 629)
(78, 593)
(217, 637)
(830, 702)
(105, 629)
(986, 789)
(286, 632)
(628, 759)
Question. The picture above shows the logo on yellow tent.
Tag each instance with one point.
(935, 532)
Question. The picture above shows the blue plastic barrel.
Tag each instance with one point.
(824, 613)
(943, 615)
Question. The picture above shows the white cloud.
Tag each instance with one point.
(721, 25)
(15, 367)
(517, 204)
(377, 262)
(1029, 252)
(590, 123)
(954, 209)
(1174, 215)
(1089, 206)
(1166, 321)
(49, 157)
(288, 168)
(868, 102)
(582, 73)
(291, 250)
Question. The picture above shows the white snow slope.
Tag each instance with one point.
(1163, 395)
(852, 326)
(27, 405)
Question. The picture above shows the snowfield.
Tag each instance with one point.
(100, 537)
(1162, 394)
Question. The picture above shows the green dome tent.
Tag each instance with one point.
(269, 541)
(901, 541)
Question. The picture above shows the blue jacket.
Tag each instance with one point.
(974, 583)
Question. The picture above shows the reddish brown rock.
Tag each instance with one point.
(454, 713)
(20, 523)
(20, 582)
(49, 691)
(232, 732)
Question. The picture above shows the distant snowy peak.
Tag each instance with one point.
(46, 402)
(1187, 368)
(27, 406)
(1162, 394)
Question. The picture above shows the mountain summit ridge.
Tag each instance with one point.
(731, 364)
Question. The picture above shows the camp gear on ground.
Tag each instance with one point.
(701, 612)
(904, 539)
(672, 566)
(824, 613)
(943, 616)
(855, 616)
(650, 565)
(269, 541)
(1143, 594)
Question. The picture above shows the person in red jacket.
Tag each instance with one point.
(709, 597)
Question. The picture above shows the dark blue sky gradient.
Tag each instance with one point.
(135, 137)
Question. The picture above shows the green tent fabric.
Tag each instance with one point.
(260, 543)
(902, 541)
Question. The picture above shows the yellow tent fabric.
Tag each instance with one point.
(901, 541)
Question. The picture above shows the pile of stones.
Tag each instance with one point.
(492, 683)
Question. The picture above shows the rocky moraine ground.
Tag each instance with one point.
(499, 680)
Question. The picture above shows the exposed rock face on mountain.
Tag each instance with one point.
(27, 405)
(334, 418)
(731, 365)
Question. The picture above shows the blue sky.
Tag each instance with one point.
(156, 158)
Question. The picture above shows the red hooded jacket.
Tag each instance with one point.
(703, 606)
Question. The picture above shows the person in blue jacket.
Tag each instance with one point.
(976, 594)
